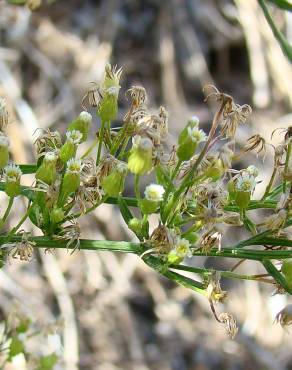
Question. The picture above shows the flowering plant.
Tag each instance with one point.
(195, 192)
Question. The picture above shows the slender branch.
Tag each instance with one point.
(7, 212)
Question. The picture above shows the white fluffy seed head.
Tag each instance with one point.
(12, 173)
(154, 192)
(182, 248)
(196, 135)
(50, 157)
(74, 136)
(85, 116)
(74, 165)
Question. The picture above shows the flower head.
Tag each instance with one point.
(74, 165)
(284, 317)
(154, 192)
(12, 173)
(276, 221)
(74, 136)
(50, 157)
(246, 183)
(196, 135)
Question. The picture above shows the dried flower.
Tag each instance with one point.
(230, 324)
(233, 115)
(256, 142)
(71, 233)
(209, 240)
(214, 291)
(284, 317)
(22, 250)
(47, 142)
(276, 221)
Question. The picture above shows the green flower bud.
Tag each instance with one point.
(192, 123)
(242, 199)
(108, 106)
(140, 159)
(231, 189)
(188, 142)
(110, 87)
(4, 152)
(12, 175)
(68, 150)
(136, 225)
(153, 196)
(57, 215)
(71, 180)
(114, 183)
(173, 258)
(139, 227)
(287, 270)
(147, 206)
(81, 124)
(47, 171)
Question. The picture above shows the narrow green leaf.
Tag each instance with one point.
(279, 278)
(283, 4)
(28, 168)
(131, 202)
(125, 211)
(285, 46)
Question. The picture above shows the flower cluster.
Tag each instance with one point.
(196, 194)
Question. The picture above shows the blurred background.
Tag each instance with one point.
(119, 315)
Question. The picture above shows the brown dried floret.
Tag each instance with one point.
(257, 143)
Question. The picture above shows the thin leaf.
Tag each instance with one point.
(283, 4)
(125, 211)
(285, 46)
(279, 278)
(28, 168)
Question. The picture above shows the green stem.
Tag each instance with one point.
(270, 184)
(285, 46)
(137, 187)
(86, 244)
(89, 150)
(100, 141)
(288, 155)
(225, 274)
(279, 278)
(21, 221)
(176, 170)
(8, 209)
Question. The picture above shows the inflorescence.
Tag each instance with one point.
(192, 188)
